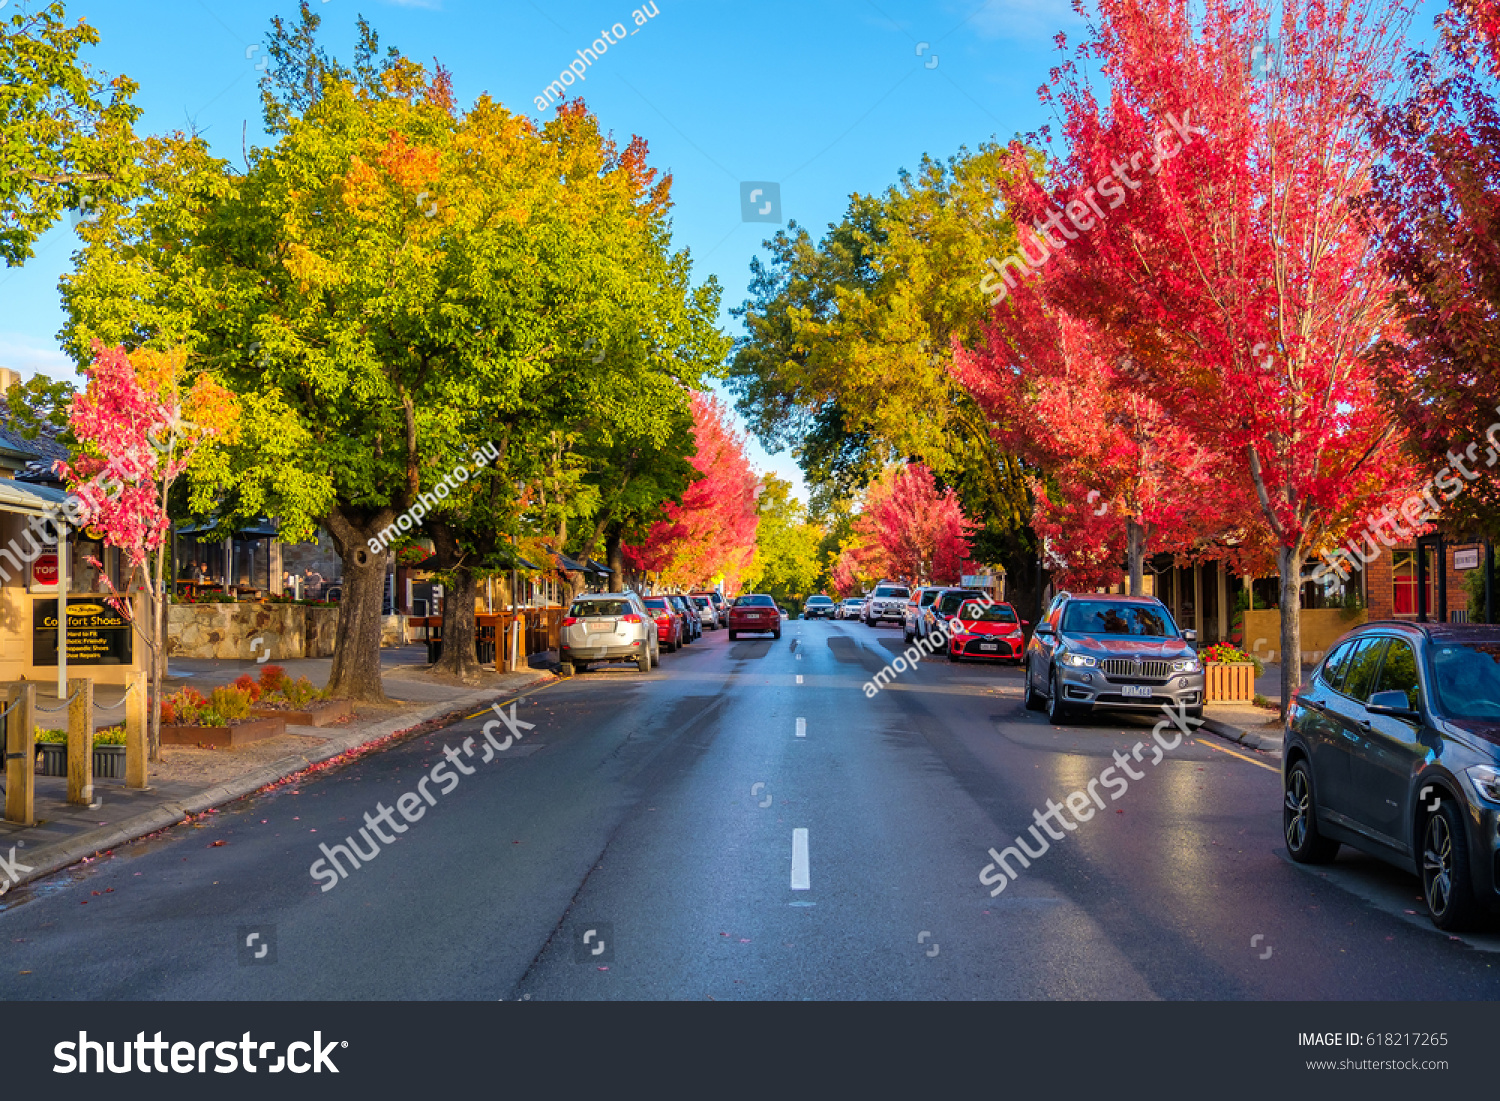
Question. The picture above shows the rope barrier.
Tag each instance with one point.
(123, 700)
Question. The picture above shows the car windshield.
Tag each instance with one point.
(1467, 678)
(819, 600)
(756, 601)
(995, 613)
(656, 603)
(1099, 617)
(599, 607)
(892, 591)
(701, 601)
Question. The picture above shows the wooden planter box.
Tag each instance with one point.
(52, 760)
(226, 737)
(323, 713)
(1229, 682)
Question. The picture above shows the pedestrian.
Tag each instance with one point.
(312, 584)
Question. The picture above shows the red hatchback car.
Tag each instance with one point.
(754, 612)
(668, 623)
(994, 631)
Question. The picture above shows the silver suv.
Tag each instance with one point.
(1102, 652)
(608, 627)
(886, 604)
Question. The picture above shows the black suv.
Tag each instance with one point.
(1097, 651)
(1393, 747)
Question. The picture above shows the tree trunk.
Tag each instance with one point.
(356, 648)
(1135, 555)
(1289, 562)
(459, 658)
(615, 559)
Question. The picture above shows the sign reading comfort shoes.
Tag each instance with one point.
(97, 634)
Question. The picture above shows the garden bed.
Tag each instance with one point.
(223, 737)
(322, 713)
(52, 760)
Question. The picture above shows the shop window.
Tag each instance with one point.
(1404, 584)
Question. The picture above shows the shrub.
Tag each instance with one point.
(168, 712)
(51, 735)
(110, 735)
(228, 704)
(187, 706)
(272, 679)
(245, 684)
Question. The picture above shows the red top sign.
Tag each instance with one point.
(44, 570)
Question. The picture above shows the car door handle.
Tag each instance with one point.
(1312, 705)
(1365, 726)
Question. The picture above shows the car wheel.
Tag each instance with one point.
(1058, 712)
(566, 669)
(1299, 819)
(643, 663)
(1035, 701)
(950, 655)
(1195, 713)
(906, 637)
(1446, 883)
(776, 634)
(733, 636)
(581, 666)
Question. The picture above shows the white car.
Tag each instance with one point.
(608, 627)
(887, 604)
(850, 608)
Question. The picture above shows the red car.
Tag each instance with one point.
(978, 631)
(754, 612)
(668, 623)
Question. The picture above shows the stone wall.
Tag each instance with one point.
(226, 631)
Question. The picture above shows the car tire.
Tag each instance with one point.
(581, 666)
(733, 636)
(1299, 819)
(566, 669)
(1195, 713)
(1035, 701)
(643, 663)
(1058, 712)
(1447, 884)
(950, 655)
(777, 634)
(906, 637)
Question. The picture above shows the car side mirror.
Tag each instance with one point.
(1392, 702)
(1025, 623)
(1190, 636)
(1045, 629)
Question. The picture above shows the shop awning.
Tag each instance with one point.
(29, 500)
(261, 529)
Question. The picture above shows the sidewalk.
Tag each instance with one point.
(190, 780)
(1244, 723)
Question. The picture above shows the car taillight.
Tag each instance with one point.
(631, 618)
(572, 619)
(665, 617)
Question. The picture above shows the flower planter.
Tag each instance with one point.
(320, 713)
(1229, 681)
(224, 737)
(52, 760)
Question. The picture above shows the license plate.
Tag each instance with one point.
(610, 626)
(988, 646)
(752, 615)
(1136, 690)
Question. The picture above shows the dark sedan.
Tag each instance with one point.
(1393, 747)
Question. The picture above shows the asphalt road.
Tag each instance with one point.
(661, 812)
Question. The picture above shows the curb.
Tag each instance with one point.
(1244, 738)
(94, 842)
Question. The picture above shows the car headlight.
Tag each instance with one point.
(1486, 781)
(1079, 659)
(1187, 665)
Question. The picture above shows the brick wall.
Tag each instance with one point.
(1380, 588)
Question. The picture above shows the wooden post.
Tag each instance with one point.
(81, 742)
(20, 755)
(137, 716)
(1221, 578)
(1198, 601)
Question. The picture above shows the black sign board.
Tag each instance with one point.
(97, 634)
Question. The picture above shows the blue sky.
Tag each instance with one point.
(823, 97)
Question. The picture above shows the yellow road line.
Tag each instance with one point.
(517, 696)
(1241, 756)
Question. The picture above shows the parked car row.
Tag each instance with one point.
(626, 626)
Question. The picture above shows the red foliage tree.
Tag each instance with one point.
(711, 534)
(1437, 197)
(1126, 475)
(1232, 266)
(922, 535)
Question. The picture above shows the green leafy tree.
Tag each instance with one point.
(65, 130)
(786, 563)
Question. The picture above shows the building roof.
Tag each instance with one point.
(28, 499)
